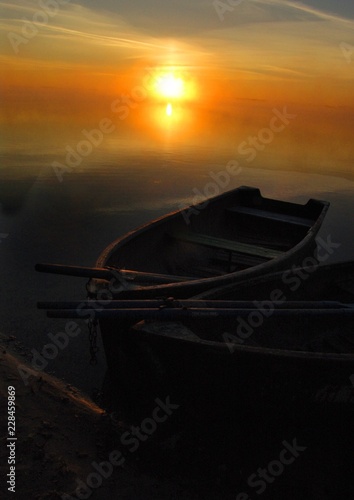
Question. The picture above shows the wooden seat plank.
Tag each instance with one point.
(223, 244)
(265, 214)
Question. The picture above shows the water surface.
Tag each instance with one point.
(134, 175)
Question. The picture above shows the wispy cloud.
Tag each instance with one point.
(84, 35)
(73, 22)
(251, 12)
(300, 7)
(259, 41)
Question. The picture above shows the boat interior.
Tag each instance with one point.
(234, 232)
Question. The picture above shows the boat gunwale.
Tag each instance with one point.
(222, 279)
(238, 349)
(264, 279)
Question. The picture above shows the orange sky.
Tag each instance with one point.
(83, 59)
(257, 56)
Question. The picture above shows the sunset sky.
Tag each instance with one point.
(257, 49)
(211, 67)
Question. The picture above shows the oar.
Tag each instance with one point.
(200, 313)
(175, 304)
(108, 274)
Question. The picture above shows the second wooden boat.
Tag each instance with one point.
(282, 338)
(266, 352)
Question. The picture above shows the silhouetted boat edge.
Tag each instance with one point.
(233, 237)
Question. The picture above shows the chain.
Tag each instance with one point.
(92, 327)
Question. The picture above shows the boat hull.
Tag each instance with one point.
(216, 363)
(210, 379)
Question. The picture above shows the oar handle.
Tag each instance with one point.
(79, 271)
(108, 274)
(171, 303)
(179, 314)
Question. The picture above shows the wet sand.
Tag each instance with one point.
(65, 440)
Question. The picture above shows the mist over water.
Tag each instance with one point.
(140, 171)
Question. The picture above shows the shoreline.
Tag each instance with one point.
(65, 441)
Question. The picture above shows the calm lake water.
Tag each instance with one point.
(134, 176)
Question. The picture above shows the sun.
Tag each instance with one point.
(170, 86)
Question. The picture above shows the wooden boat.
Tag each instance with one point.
(296, 361)
(271, 354)
(230, 238)
(289, 340)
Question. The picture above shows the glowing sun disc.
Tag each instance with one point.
(170, 86)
